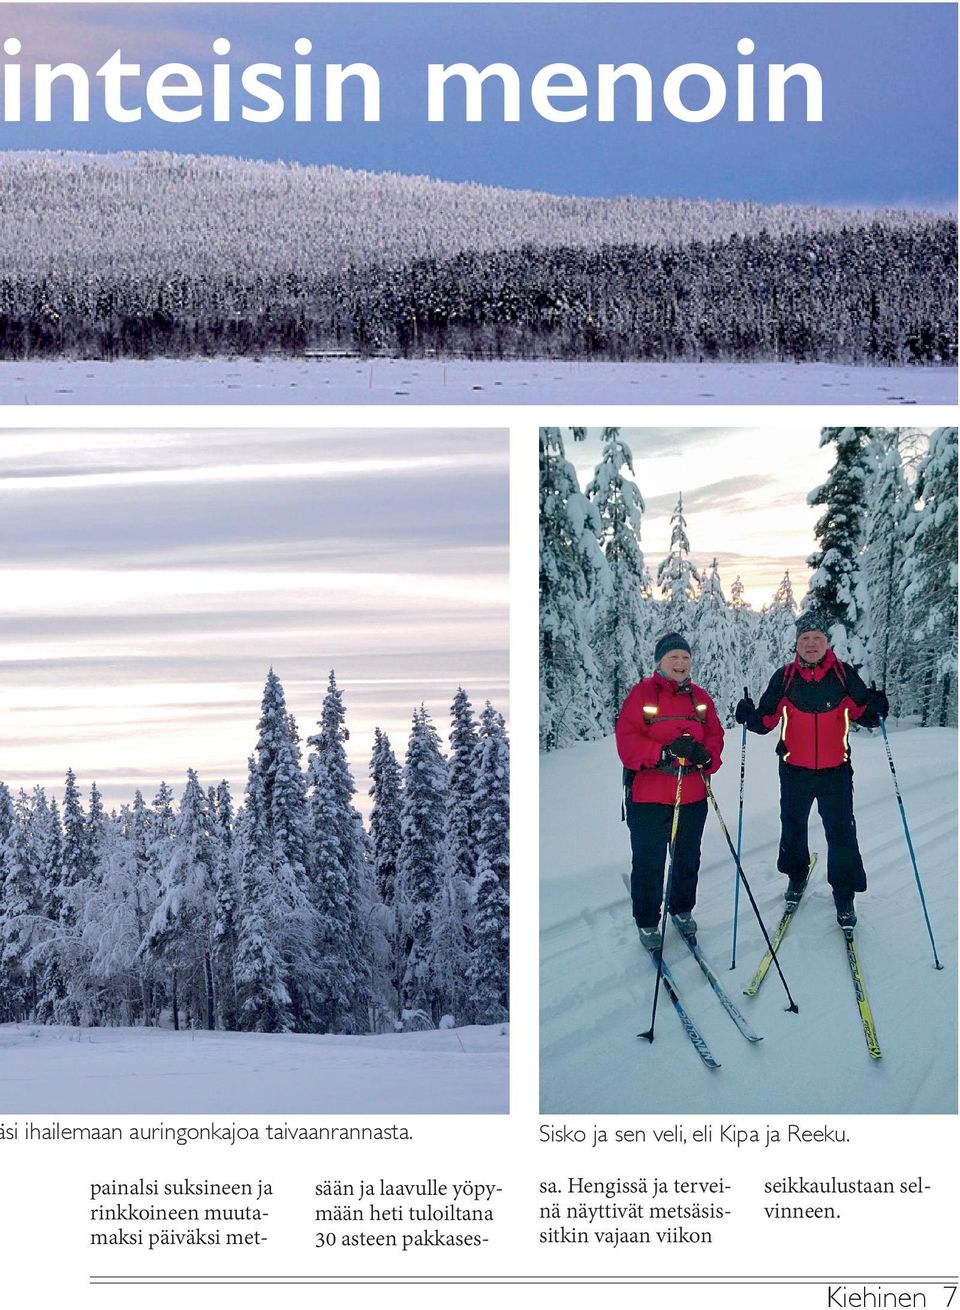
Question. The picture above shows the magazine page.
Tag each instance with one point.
(391, 389)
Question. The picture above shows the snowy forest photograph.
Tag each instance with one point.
(723, 538)
(715, 260)
(254, 812)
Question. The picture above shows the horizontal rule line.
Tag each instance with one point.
(659, 1280)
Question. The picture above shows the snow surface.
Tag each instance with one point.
(283, 381)
(51, 1070)
(597, 986)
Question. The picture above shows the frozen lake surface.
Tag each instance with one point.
(50, 1070)
(464, 382)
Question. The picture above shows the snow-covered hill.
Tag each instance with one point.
(597, 987)
(51, 1070)
(153, 212)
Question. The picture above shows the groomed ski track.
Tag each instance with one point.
(597, 989)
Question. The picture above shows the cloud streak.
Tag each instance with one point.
(150, 578)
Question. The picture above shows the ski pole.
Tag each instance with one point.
(736, 881)
(792, 1007)
(666, 899)
(906, 831)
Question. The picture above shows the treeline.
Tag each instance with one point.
(158, 215)
(877, 293)
(884, 581)
(285, 915)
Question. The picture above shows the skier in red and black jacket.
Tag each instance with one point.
(813, 700)
(667, 721)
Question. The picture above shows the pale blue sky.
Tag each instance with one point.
(889, 73)
(148, 580)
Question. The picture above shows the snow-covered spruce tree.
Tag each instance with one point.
(621, 633)
(220, 804)
(889, 510)
(572, 573)
(225, 923)
(262, 1000)
(777, 632)
(835, 585)
(449, 951)
(45, 956)
(181, 932)
(385, 851)
(423, 826)
(23, 911)
(462, 767)
(714, 645)
(111, 928)
(288, 827)
(146, 895)
(489, 965)
(677, 577)
(745, 632)
(930, 597)
(8, 988)
(342, 884)
(385, 815)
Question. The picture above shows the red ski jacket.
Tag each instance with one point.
(656, 712)
(814, 709)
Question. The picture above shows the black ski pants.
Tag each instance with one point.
(649, 839)
(832, 789)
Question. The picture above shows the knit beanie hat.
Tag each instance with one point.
(812, 622)
(669, 641)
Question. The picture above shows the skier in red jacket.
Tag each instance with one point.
(813, 700)
(667, 721)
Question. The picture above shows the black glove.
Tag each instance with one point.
(688, 750)
(745, 710)
(877, 703)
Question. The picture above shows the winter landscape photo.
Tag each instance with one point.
(748, 692)
(254, 811)
(666, 237)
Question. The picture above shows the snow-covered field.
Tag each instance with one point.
(47, 1070)
(597, 987)
(281, 381)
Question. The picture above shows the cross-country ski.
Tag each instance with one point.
(791, 908)
(860, 990)
(696, 1038)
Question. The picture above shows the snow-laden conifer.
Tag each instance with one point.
(715, 646)
(287, 821)
(930, 597)
(835, 585)
(423, 828)
(621, 636)
(462, 767)
(889, 511)
(181, 931)
(572, 569)
(489, 968)
(678, 577)
(263, 1003)
(342, 887)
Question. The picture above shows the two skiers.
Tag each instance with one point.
(667, 733)
(813, 700)
(669, 724)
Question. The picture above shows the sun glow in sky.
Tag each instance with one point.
(744, 497)
(149, 579)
